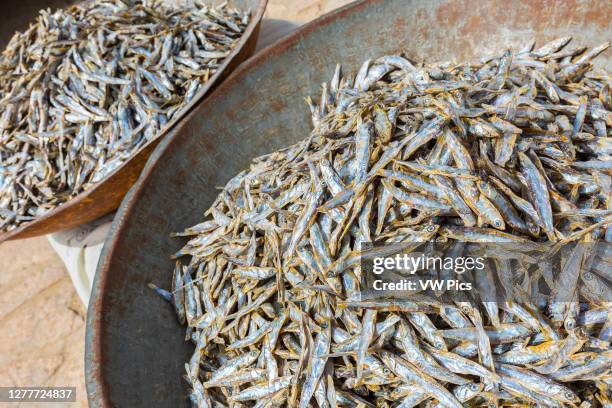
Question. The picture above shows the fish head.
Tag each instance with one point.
(468, 391)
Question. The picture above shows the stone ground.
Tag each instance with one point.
(302, 10)
(42, 320)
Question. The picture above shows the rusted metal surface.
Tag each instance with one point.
(135, 348)
(106, 196)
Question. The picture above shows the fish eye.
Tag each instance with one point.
(474, 387)
(569, 395)
(497, 223)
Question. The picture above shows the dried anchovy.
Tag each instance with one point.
(84, 88)
(514, 149)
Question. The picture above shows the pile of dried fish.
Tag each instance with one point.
(514, 149)
(84, 88)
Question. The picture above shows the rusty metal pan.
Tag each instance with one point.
(135, 349)
(106, 195)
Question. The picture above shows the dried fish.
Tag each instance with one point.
(85, 88)
(408, 154)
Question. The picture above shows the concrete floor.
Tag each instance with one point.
(42, 320)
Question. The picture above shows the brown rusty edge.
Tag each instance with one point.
(106, 195)
(97, 388)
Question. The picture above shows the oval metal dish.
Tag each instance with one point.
(135, 350)
(106, 195)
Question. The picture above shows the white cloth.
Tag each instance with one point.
(80, 248)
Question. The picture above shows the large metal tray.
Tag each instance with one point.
(135, 347)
